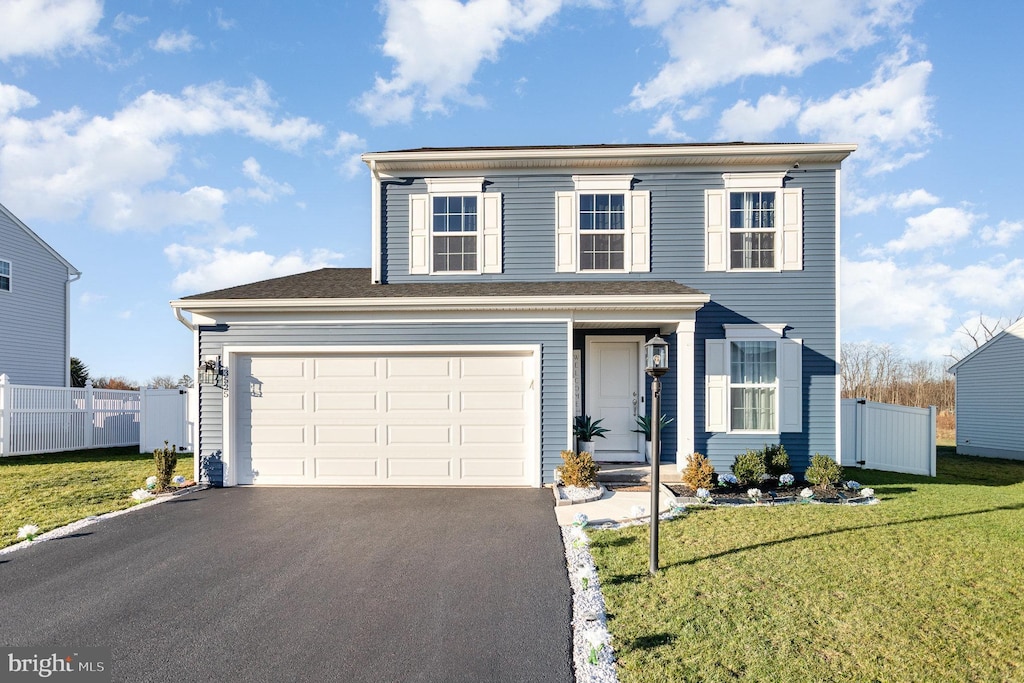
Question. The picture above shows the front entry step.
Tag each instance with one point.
(629, 473)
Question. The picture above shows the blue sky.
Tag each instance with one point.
(169, 148)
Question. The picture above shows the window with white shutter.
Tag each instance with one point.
(603, 226)
(455, 228)
(753, 224)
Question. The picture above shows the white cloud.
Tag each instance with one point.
(13, 98)
(127, 23)
(267, 189)
(1003, 234)
(885, 117)
(926, 302)
(170, 41)
(417, 33)
(67, 164)
(350, 146)
(745, 122)
(938, 228)
(223, 23)
(713, 44)
(903, 201)
(86, 299)
(665, 127)
(207, 269)
(40, 28)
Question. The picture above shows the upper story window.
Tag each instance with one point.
(454, 233)
(754, 224)
(455, 228)
(5, 276)
(603, 226)
(754, 380)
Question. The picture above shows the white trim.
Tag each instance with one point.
(603, 183)
(455, 185)
(570, 437)
(53, 252)
(193, 410)
(231, 353)
(685, 386)
(376, 253)
(838, 312)
(754, 331)
(753, 181)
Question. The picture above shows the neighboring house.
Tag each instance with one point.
(990, 397)
(35, 293)
(512, 288)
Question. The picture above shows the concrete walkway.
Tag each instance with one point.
(614, 506)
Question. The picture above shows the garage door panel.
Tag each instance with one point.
(419, 401)
(420, 468)
(346, 367)
(416, 419)
(342, 435)
(419, 367)
(414, 435)
(364, 468)
(347, 401)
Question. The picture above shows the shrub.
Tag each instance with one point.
(776, 460)
(579, 469)
(824, 472)
(749, 467)
(166, 460)
(698, 472)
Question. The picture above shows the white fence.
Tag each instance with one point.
(887, 437)
(167, 415)
(50, 419)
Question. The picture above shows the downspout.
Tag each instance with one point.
(375, 236)
(67, 325)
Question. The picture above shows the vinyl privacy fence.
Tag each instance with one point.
(37, 419)
(881, 436)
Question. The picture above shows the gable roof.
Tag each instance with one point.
(53, 252)
(355, 283)
(1016, 329)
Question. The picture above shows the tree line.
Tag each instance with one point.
(880, 373)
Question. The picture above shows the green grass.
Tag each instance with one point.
(926, 586)
(56, 489)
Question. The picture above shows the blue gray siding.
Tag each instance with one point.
(33, 315)
(990, 399)
(550, 336)
(804, 300)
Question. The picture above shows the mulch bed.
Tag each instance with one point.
(737, 495)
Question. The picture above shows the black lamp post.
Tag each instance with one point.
(656, 354)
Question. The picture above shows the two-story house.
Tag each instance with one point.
(513, 288)
(35, 307)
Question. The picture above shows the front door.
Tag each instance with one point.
(615, 396)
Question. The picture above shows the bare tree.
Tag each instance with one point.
(977, 332)
(114, 383)
(162, 382)
(877, 372)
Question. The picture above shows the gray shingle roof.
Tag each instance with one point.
(355, 283)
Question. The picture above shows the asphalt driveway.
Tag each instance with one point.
(264, 584)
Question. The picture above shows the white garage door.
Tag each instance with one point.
(419, 419)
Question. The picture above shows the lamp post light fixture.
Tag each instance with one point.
(656, 355)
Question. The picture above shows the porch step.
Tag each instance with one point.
(635, 473)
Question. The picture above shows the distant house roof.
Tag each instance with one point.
(355, 283)
(1016, 329)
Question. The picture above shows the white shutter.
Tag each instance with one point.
(792, 229)
(640, 231)
(716, 399)
(565, 232)
(791, 385)
(490, 232)
(715, 235)
(419, 234)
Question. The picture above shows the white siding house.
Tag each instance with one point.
(990, 397)
(35, 288)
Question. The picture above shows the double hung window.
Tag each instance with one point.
(752, 230)
(5, 276)
(602, 231)
(454, 233)
(753, 385)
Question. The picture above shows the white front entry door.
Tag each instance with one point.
(615, 396)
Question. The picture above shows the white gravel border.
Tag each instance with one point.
(68, 529)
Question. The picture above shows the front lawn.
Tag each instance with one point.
(927, 585)
(56, 489)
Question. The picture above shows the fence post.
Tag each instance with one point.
(932, 414)
(90, 413)
(861, 431)
(5, 415)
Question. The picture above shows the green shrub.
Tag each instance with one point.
(166, 460)
(776, 460)
(698, 472)
(579, 469)
(824, 472)
(749, 467)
